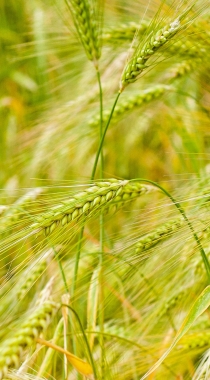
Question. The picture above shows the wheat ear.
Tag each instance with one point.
(12, 349)
(172, 302)
(85, 14)
(188, 46)
(159, 234)
(34, 273)
(131, 103)
(195, 340)
(95, 198)
(142, 53)
(124, 32)
(203, 370)
(185, 67)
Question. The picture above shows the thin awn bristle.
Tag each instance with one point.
(203, 370)
(33, 274)
(14, 212)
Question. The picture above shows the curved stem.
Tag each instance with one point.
(101, 225)
(103, 137)
(61, 268)
(76, 266)
(85, 338)
(182, 212)
(101, 123)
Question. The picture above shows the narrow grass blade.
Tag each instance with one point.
(200, 305)
(80, 365)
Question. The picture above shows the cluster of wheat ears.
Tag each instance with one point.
(106, 276)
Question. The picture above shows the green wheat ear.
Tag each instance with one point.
(87, 17)
(12, 349)
(94, 199)
(131, 103)
(145, 50)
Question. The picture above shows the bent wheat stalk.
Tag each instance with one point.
(182, 212)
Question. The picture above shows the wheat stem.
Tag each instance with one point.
(101, 226)
(100, 121)
(103, 137)
(85, 339)
(61, 269)
(182, 212)
(77, 258)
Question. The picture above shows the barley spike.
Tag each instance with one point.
(95, 198)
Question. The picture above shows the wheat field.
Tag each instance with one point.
(105, 190)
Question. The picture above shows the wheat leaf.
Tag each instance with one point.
(80, 365)
(83, 367)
